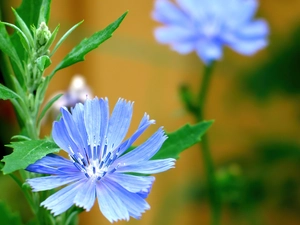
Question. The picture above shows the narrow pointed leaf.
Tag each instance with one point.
(26, 153)
(77, 54)
(182, 139)
(6, 45)
(63, 38)
(6, 93)
(48, 105)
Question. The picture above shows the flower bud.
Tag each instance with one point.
(43, 34)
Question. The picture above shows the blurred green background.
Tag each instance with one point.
(255, 102)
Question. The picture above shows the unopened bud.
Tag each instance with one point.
(43, 34)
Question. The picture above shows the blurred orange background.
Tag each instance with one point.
(132, 65)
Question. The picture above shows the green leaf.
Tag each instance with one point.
(88, 44)
(63, 38)
(6, 93)
(183, 138)
(44, 11)
(30, 11)
(43, 62)
(47, 107)
(7, 46)
(24, 27)
(7, 217)
(26, 153)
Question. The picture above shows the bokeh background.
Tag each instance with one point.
(255, 102)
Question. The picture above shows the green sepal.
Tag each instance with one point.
(43, 62)
(26, 153)
(78, 53)
(182, 139)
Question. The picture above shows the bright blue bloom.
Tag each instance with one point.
(98, 167)
(205, 26)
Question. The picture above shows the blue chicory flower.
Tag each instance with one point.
(98, 166)
(205, 26)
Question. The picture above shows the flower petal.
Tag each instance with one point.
(148, 167)
(134, 203)
(119, 124)
(256, 29)
(110, 204)
(53, 164)
(249, 47)
(86, 195)
(209, 51)
(62, 200)
(50, 182)
(168, 13)
(174, 34)
(62, 137)
(144, 124)
(144, 151)
(132, 183)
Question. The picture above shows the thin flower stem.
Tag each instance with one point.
(214, 197)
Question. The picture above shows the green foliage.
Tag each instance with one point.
(26, 153)
(279, 74)
(7, 217)
(43, 62)
(183, 138)
(77, 54)
(6, 93)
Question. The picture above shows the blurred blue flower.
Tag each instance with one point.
(205, 26)
(98, 167)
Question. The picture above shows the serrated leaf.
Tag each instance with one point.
(8, 217)
(26, 153)
(181, 139)
(88, 44)
(6, 93)
(43, 62)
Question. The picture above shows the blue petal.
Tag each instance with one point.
(166, 12)
(119, 124)
(62, 200)
(73, 131)
(239, 12)
(92, 121)
(110, 204)
(50, 182)
(249, 47)
(86, 195)
(53, 164)
(133, 203)
(132, 183)
(144, 151)
(78, 117)
(209, 51)
(256, 29)
(148, 167)
(144, 124)
(175, 34)
(62, 137)
(196, 9)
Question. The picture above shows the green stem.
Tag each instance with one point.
(214, 197)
